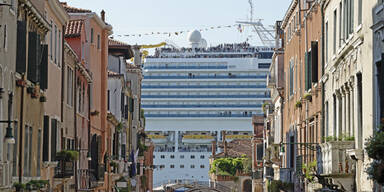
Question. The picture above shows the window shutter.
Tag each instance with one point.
(131, 103)
(315, 61)
(126, 111)
(122, 104)
(33, 56)
(99, 144)
(309, 70)
(44, 67)
(21, 47)
(46, 138)
(306, 71)
(53, 139)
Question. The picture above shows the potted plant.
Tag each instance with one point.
(21, 83)
(68, 155)
(265, 106)
(43, 98)
(95, 112)
(375, 148)
(298, 104)
(308, 97)
(19, 186)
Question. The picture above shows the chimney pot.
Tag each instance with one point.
(103, 15)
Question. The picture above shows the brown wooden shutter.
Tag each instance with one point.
(33, 56)
(53, 139)
(21, 47)
(44, 67)
(46, 139)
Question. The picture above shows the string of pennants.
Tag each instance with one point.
(240, 28)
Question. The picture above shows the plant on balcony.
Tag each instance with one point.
(21, 83)
(277, 186)
(375, 148)
(36, 184)
(265, 106)
(330, 138)
(229, 166)
(119, 127)
(95, 113)
(68, 155)
(43, 98)
(309, 170)
(142, 148)
(298, 104)
(19, 186)
(308, 97)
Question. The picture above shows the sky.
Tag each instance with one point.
(146, 16)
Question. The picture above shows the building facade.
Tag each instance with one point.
(349, 91)
(8, 39)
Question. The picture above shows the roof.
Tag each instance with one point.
(70, 9)
(73, 28)
(113, 42)
(237, 148)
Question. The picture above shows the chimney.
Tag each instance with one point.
(103, 15)
(213, 148)
(224, 143)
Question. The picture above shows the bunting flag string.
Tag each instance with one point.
(239, 27)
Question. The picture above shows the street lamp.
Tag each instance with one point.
(282, 150)
(8, 134)
(89, 158)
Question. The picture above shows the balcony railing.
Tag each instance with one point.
(203, 86)
(335, 160)
(206, 96)
(208, 77)
(64, 169)
(286, 175)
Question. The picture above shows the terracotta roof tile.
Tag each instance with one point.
(237, 148)
(70, 9)
(73, 28)
(116, 43)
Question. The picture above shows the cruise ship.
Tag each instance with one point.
(190, 95)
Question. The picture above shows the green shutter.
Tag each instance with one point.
(131, 103)
(309, 72)
(306, 71)
(21, 47)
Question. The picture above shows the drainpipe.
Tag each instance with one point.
(89, 133)
(75, 124)
(21, 117)
(322, 71)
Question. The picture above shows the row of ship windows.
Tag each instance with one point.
(204, 74)
(181, 156)
(220, 113)
(181, 166)
(205, 93)
(201, 103)
(200, 83)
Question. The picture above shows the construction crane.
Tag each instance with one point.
(266, 36)
(140, 55)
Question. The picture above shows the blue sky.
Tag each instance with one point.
(146, 16)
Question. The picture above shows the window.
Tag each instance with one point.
(28, 151)
(192, 166)
(162, 166)
(308, 70)
(202, 156)
(59, 50)
(326, 120)
(202, 166)
(172, 156)
(340, 23)
(5, 38)
(334, 31)
(91, 35)
(70, 81)
(154, 157)
(291, 83)
(38, 152)
(109, 100)
(98, 41)
(326, 42)
(181, 156)
(360, 16)
(192, 156)
(172, 166)
(51, 42)
(315, 61)
(162, 156)
(53, 139)
(182, 166)
(55, 44)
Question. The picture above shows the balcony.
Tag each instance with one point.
(335, 161)
(158, 139)
(286, 175)
(198, 115)
(201, 106)
(64, 169)
(198, 139)
(185, 67)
